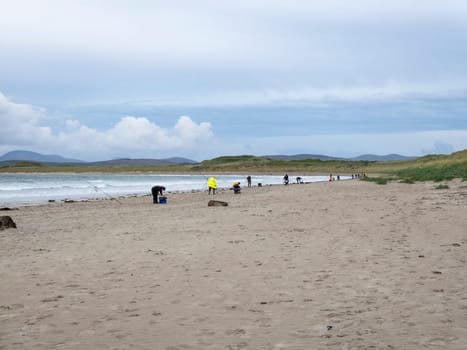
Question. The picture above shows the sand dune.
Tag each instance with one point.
(342, 265)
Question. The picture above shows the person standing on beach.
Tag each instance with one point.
(286, 179)
(156, 190)
(248, 180)
(212, 185)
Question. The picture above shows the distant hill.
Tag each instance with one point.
(10, 157)
(14, 156)
(36, 157)
(367, 157)
(302, 157)
(128, 161)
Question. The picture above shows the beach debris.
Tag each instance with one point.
(6, 222)
(237, 241)
(6, 208)
(41, 250)
(451, 244)
(238, 331)
(276, 301)
(68, 201)
(214, 203)
(52, 299)
(155, 252)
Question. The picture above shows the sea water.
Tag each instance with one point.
(19, 189)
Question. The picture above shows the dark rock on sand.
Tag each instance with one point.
(214, 203)
(6, 222)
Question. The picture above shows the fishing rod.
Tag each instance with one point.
(97, 189)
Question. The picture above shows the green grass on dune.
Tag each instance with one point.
(436, 168)
(261, 164)
(435, 173)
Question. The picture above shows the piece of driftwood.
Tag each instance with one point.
(214, 203)
(6, 222)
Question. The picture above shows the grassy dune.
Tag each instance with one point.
(431, 167)
(437, 168)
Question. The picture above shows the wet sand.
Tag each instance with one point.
(341, 265)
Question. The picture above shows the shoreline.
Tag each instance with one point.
(32, 189)
(135, 195)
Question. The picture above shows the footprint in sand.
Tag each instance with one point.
(242, 345)
(237, 331)
(52, 299)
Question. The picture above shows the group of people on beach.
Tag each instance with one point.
(354, 176)
(298, 179)
(212, 187)
(212, 184)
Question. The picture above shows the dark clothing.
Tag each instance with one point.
(248, 180)
(156, 190)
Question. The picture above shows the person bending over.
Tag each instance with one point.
(157, 190)
(236, 187)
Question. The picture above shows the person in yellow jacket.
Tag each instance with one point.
(212, 185)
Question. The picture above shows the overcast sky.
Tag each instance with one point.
(108, 79)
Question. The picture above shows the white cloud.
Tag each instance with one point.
(19, 123)
(72, 124)
(188, 130)
(130, 137)
(22, 111)
(136, 133)
(24, 127)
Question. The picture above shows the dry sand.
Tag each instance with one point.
(342, 265)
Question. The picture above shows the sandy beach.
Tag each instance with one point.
(341, 265)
